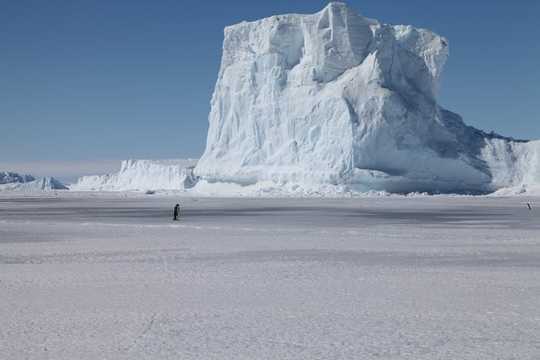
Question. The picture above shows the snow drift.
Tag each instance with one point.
(143, 175)
(335, 98)
(10, 181)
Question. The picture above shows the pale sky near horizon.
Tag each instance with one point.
(89, 83)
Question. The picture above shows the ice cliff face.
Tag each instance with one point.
(515, 167)
(337, 98)
(143, 175)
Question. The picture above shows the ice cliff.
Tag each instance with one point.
(10, 181)
(337, 98)
(143, 175)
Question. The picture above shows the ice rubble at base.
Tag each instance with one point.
(10, 181)
(337, 99)
(143, 175)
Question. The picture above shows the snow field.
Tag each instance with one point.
(407, 278)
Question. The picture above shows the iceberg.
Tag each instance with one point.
(7, 177)
(10, 181)
(142, 175)
(335, 98)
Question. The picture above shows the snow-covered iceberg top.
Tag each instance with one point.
(335, 98)
(143, 175)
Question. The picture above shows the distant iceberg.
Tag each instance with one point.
(10, 181)
(143, 175)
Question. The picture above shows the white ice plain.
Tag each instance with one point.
(110, 276)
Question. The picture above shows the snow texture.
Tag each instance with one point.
(143, 175)
(335, 98)
(111, 276)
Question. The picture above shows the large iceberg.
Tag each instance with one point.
(143, 175)
(335, 98)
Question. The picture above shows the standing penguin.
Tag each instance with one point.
(176, 212)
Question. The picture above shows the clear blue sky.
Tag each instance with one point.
(90, 80)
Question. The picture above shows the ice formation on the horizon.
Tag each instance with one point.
(7, 177)
(143, 175)
(337, 98)
(10, 181)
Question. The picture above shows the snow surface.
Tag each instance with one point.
(110, 276)
(335, 98)
(143, 175)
